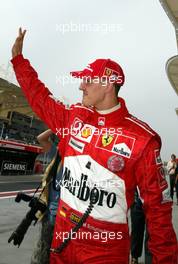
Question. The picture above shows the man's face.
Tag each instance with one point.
(93, 92)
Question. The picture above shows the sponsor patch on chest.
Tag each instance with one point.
(117, 144)
(81, 131)
(74, 218)
(77, 145)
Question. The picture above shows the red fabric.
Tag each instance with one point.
(138, 147)
(87, 250)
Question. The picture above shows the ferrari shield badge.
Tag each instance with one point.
(106, 140)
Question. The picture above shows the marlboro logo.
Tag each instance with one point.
(123, 146)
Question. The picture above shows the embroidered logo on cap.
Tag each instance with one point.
(107, 72)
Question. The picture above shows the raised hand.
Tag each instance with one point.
(18, 45)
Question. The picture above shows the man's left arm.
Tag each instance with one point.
(157, 205)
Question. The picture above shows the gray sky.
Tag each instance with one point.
(67, 35)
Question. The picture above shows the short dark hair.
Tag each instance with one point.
(117, 88)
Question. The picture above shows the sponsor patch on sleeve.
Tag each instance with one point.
(166, 197)
(158, 159)
(164, 186)
(162, 178)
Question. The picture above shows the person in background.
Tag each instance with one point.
(51, 194)
(171, 168)
(176, 182)
(137, 232)
(137, 229)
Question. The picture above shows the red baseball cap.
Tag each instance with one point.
(102, 68)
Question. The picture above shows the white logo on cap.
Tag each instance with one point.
(89, 68)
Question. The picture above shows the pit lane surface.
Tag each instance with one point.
(11, 214)
(19, 182)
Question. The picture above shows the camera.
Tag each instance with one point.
(36, 205)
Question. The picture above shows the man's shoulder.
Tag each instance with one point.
(81, 107)
(140, 127)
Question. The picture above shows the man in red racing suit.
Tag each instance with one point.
(106, 150)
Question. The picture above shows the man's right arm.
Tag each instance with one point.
(52, 112)
(39, 97)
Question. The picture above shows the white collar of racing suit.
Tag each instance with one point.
(110, 110)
